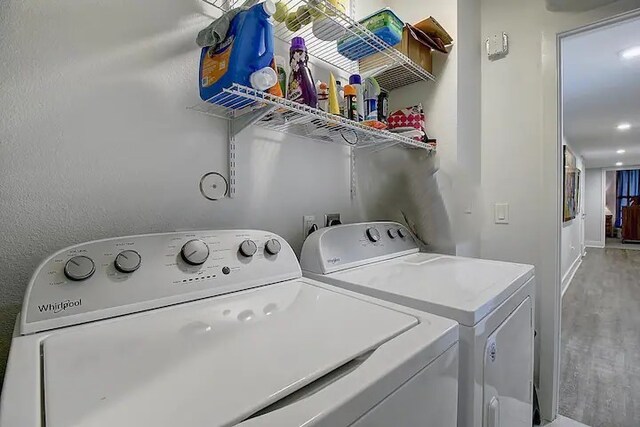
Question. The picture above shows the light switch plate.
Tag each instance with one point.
(502, 213)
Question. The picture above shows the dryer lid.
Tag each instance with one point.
(211, 362)
(462, 289)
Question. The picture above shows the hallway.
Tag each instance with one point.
(600, 380)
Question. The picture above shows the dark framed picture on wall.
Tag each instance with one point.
(571, 185)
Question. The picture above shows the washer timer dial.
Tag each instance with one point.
(128, 261)
(195, 252)
(248, 248)
(373, 234)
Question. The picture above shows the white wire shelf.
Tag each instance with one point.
(394, 68)
(246, 106)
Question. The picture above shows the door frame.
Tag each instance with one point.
(549, 375)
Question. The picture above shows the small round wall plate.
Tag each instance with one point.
(213, 186)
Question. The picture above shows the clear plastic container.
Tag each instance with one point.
(385, 24)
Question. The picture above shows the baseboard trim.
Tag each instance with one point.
(566, 280)
(594, 244)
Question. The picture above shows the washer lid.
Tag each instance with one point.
(211, 362)
(462, 289)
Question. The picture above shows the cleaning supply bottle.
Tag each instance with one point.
(334, 100)
(371, 93)
(340, 97)
(356, 81)
(383, 107)
(282, 74)
(350, 103)
(301, 88)
(323, 96)
(216, 32)
(247, 49)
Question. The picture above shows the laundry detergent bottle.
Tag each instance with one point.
(246, 51)
(302, 88)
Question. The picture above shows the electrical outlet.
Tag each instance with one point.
(307, 222)
(332, 219)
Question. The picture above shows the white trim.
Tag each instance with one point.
(568, 277)
(603, 218)
(594, 244)
(550, 295)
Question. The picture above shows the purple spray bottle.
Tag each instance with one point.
(301, 86)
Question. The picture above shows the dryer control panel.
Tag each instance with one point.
(112, 277)
(346, 246)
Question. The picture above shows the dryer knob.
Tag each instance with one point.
(128, 261)
(402, 233)
(195, 252)
(373, 234)
(79, 268)
(273, 247)
(392, 233)
(248, 248)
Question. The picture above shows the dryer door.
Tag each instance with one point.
(508, 370)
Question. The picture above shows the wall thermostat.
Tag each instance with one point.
(497, 46)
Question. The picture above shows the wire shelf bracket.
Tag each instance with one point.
(243, 107)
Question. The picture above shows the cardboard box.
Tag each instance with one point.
(410, 46)
(432, 27)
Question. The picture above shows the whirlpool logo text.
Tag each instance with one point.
(57, 307)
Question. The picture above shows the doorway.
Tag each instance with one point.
(598, 133)
(622, 188)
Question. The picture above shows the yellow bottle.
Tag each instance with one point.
(334, 104)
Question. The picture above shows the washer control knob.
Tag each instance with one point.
(79, 268)
(373, 234)
(195, 252)
(128, 261)
(402, 233)
(248, 248)
(392, 233)
(273, 247)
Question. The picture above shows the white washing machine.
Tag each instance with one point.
(493, 302)
(217, 328)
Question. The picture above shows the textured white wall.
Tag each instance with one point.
(441, 193)
(594, 208)
(96, 141)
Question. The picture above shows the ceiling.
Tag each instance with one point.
(600, 91)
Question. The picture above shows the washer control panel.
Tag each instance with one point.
(112, 277)
(346, 246)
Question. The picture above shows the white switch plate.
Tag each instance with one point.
(502, 213)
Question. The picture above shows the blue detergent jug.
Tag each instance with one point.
(247, 49)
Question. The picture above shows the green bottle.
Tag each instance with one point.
(282, 74)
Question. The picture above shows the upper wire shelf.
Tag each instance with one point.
(246, 106)
(394, 68)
